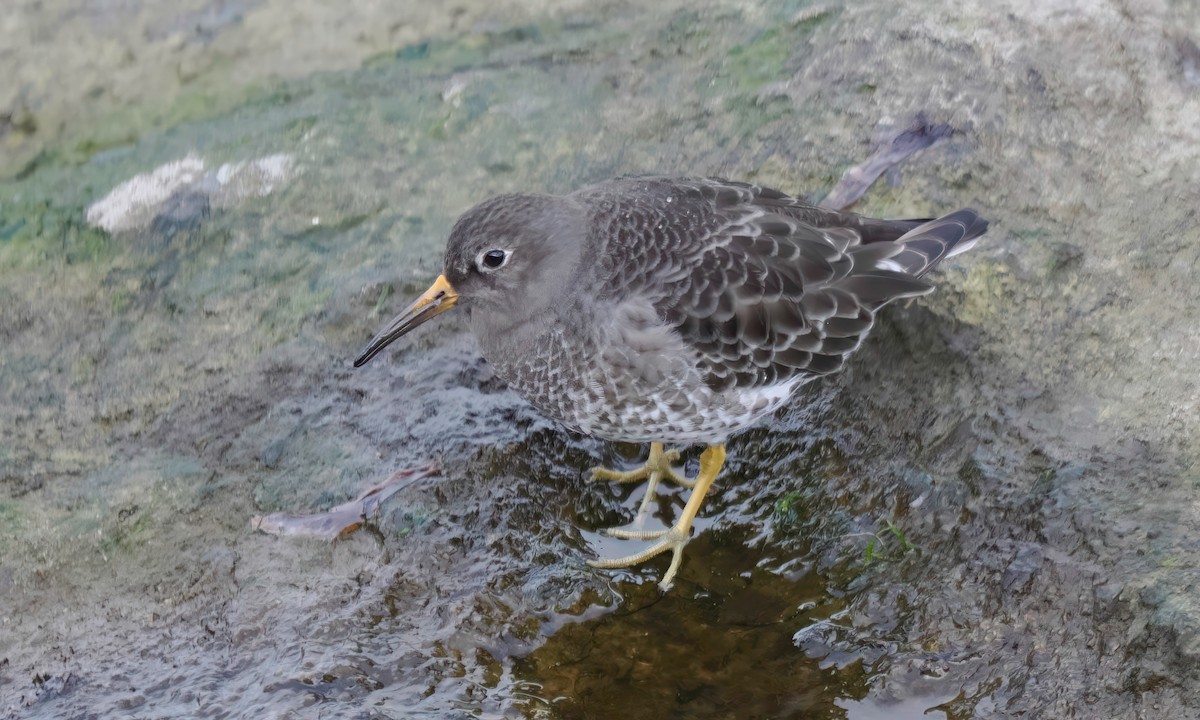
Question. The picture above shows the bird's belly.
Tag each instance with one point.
(627, 393)
(708, 418)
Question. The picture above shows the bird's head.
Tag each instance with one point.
(507, 259)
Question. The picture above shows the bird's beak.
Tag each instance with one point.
(439, 298)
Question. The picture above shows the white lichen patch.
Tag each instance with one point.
(136, 202)
(254, 178)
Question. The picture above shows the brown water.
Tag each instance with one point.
(992, 513)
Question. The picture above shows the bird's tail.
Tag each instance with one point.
(893, 269)
(929, 243)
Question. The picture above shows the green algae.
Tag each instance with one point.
(747, 67)
(11, 520)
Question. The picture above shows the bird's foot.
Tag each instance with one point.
(675, 538)
(656, 469)
(658, 464)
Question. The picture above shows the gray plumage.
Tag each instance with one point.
(680, 310)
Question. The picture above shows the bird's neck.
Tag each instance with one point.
(509, 343)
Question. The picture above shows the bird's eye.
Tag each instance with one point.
(492, 259)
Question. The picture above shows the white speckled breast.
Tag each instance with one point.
(629, 378)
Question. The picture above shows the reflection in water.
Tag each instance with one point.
(910, 709)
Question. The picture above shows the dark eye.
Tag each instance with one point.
(494, 258)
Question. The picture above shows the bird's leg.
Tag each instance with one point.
(656, 468)
(678, 535)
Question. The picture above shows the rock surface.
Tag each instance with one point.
(992, 513)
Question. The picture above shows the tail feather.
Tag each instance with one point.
(927, 245)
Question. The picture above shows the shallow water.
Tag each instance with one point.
(207, 209)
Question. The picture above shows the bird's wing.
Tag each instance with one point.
(765, 287)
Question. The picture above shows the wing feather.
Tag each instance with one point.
(765, 287)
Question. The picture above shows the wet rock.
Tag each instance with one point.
(1030, 429)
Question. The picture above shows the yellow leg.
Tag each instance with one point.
(675, 538)
(657, 468)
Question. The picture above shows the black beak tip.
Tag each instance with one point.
(364, 357)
